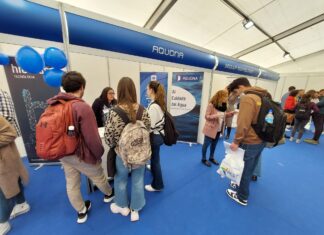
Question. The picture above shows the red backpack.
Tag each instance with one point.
(52, 139)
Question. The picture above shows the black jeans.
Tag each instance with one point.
(318, 123)
(156, 142)
(300, 127)
(7, 205)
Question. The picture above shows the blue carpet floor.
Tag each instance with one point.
(287, 199)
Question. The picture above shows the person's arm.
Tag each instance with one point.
(320, 104)
(113, 129)
(314, 107)
(146, 119)
(209, 116)
(89, 130)
(7, 132)
(153, 112)
(245, 118)
(97, 109)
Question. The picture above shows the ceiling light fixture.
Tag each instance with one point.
(247, 23)
(286, 55)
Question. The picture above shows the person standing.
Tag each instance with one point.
(245, 136)
(87, 158)
(285, 96)
(127, 102)
(302, 115)
(103, 104)
(12, 174)
(232, 100)
(318, 119)
(215, 115)
(156, 109)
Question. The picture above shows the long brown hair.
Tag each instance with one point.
(126, 95)
(158, 90)
(220, 95)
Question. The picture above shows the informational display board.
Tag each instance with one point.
(29, 93)
(186, 102)
(145, 78)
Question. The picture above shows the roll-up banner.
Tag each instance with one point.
(29, 93)
(186, 102)
(145, 78)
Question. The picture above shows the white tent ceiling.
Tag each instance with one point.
(214, 25)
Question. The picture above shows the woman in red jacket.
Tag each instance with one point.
(291, 102)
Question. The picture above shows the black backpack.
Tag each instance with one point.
(171, 134)
(271, 133)
(303, 111)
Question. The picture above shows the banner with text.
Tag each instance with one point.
(185, 103)
(145, 78)
(29, 93)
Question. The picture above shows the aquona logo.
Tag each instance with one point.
(167, 52)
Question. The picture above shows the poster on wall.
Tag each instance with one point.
(185, 103)
(29, 93)
(145, 78)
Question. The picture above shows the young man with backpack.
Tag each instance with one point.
(245, 136)
(86, 158)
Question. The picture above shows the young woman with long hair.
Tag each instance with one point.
(156, 110)
(103, 104)
(127, 101)
(215, 114)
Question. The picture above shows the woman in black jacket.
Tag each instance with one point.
(102, 105)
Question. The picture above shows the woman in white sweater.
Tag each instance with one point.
(156, 111)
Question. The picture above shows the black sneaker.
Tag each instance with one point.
(212, 160)
(207, 163)
(82, 217)
(232, 194)
(254, 178)
(109, 198)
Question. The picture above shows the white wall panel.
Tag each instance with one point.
(95, 70)
(316, 83)
(151, 67)
(270, 86)
(124, 68)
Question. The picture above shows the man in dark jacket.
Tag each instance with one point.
(87, 159)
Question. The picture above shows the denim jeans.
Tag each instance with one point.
(7, 205)
(257, 169)
(120, 185)
(156, 142)
(251, 157)
(300, 127)
(209, 141)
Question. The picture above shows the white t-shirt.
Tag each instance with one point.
(157, 118)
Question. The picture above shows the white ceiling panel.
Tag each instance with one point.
(197, 22)
(134, 12)
(281, 15)
(305, 42)
(267, 56)
(236, 40)
(251, 6)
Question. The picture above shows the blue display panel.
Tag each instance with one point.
(87, 32)
(29, 19)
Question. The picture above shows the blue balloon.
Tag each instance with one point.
(4, 59)
(53, 77)
(55, 58)
(29, 60)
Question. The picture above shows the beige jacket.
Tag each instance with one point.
(249, 110)
(11, 166)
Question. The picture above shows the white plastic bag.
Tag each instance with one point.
(232, 165)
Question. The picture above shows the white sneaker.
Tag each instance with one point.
(4, 228)
(19, 209)
(134, 216)
(121, 210)
(298, 141)
(291, 139)
(148, 167)
(151, 189)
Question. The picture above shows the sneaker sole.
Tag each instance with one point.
(116, 211)
(238, 201)
(81, 221)
(108, 200)
(20, 213)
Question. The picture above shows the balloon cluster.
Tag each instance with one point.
(32, 62)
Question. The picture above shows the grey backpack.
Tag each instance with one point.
(134, 143)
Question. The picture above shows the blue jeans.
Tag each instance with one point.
(120, 185)
(156, 142)
(7, 205)
(251, 157)
(257, 169)
(209, 141)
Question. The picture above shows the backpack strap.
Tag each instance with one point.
(122, 114)
(140, 112)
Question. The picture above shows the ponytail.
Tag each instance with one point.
(159, 94)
